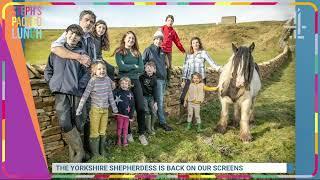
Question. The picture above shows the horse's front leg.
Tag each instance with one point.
(245, 134)
(223, 123)
(236, 114)
(252, 119)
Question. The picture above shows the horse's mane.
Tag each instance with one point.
(243, 57)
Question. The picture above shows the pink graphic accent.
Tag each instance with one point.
(316, 22)
(264, 3)
(161, 3)
(183, 176)
(101, 176)
(145, 176)
(3, 109)
(121, 3)
(63, 3)
(316, 163)
(235, 176)
(128, 109)
(316, 93)
(202, 3)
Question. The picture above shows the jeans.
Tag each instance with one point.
(66, 106)
(161, 87)
(139, 105)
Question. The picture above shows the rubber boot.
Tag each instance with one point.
(102, 147)
(148, 123)
(182, 113)
(73, 139)
(189, 126)
(199, 128)
(87, 155)
(71, 152)
(153, 121)
(94, 146)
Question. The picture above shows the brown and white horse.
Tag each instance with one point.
(239, 84)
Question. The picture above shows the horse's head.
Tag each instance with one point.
(243, 65)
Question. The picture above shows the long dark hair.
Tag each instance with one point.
(122, 49)
(191, 51)
(105, 43)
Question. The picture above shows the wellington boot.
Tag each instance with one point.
(94, 146)
(189, 126)
(73, 139)
(199, 128)
(102, 147)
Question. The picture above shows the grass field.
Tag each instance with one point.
(216, 40)
(273, 133)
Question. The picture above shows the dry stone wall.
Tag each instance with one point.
(44, 100)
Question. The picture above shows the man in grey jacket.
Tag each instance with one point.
(155, 53)
(64, 77)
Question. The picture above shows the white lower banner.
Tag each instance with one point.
(169, 168)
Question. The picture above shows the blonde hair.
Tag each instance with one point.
(198, 75)
(126, 79)
(94, 67)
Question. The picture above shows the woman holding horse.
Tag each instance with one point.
(194, 62)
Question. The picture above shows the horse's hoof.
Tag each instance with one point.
(220, 129)
(245, 137)
(235, 123)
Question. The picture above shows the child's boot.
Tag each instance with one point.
(189, 126)
(94, 146)
(199, 129)
(148, 123)
(153, 121)
(102, 147)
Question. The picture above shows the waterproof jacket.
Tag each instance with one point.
(169, 35)
(65, 75)
(156, 54)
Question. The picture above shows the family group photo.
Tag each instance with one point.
(165, 84)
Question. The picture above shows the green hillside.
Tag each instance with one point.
(215, 38)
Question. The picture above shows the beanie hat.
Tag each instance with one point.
(158, 34)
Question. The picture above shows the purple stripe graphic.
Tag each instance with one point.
(24, 158)
(316, 93)
(264, 3)
(316, 22)
(202, 3)
(121, 3)
(161, 3)
(316, 165)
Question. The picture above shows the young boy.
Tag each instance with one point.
(149, 83)
(155, 53)
(170, 35)
(64, 76)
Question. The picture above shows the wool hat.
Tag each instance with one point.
(158, 34)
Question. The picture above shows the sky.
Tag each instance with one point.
(59, 17)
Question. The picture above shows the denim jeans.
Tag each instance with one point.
(161, 87)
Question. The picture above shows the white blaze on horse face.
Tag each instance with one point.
(240, 76)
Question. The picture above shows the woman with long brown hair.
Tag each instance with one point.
(129, 61)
